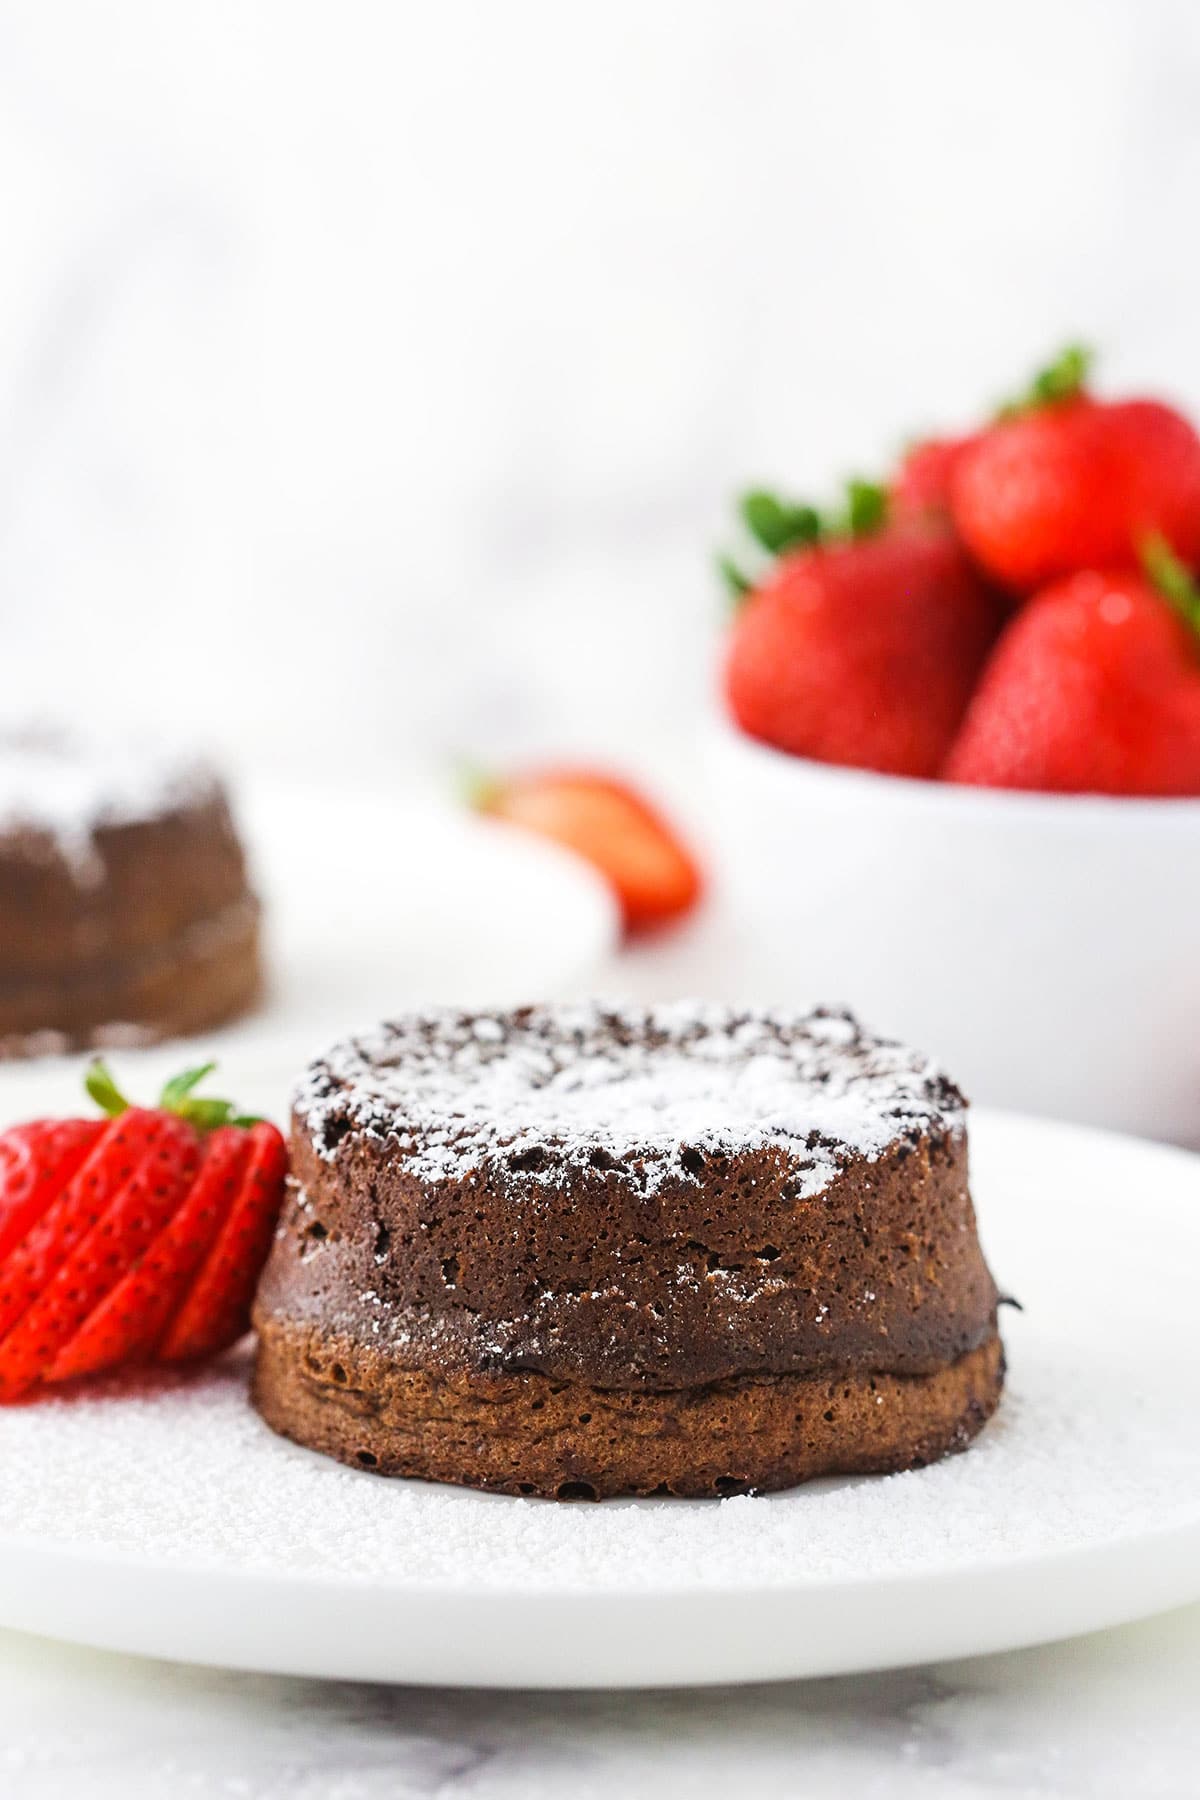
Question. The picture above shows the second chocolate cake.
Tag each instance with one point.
(583, 1251)
(126, 913)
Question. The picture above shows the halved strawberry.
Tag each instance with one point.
(651, 871)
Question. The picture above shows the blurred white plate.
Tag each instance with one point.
(164, 1518)
(375, 903)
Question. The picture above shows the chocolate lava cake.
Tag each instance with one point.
(580, 1251)
(125, 914)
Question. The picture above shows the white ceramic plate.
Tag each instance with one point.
(166, 1519)
(375, 902)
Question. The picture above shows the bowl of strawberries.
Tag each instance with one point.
(958, 768)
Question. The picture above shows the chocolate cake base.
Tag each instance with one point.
(210, 974)
(524, 1433)
(126, 910)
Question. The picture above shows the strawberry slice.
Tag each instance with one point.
(81, 1247)
(36, 1257)
(138, 1236)
(36, 1162)
(131, 1320)
(216, 1310)
(649, 869)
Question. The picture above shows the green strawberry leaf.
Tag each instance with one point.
(1065, 376)
(737, 583)
(866, 507)
(1060, 380)
(205, 1115)
(103, 1089)
(474, 786)
(1172, 577)
(177, 1097)
(779, 526)
(179, 1087)
(776, 524)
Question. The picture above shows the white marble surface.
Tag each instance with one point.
(1109, 1717)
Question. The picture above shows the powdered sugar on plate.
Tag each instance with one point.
(544, 1089)
(1097, 1441)
(182, 1472)
(63, 786)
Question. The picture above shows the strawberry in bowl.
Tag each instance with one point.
(973, 809)
(1095, 688)
(1075, 483)
(912, 632)
(134, 1237)
(863, 643)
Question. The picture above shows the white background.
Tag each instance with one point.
(373, 376)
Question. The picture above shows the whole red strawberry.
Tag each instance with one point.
(1093, 688)
(925, 477)
(133, 1238)
(650, 870)
(1067, 482)
(863, 649)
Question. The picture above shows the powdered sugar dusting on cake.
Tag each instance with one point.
(65, 787)
(546, 1090)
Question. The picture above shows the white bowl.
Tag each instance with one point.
(1046, 948)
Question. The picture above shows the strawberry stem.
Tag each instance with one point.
(103, 1089)
(737, 584)
(1062, 379)
(1172, 577)
(177, 1097)
(476, 787)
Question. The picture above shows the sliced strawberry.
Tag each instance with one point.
(121, 1235)
(41, 1251)
(216, 1311)
(128, 1323)
(82, 1246)
(36, 1163)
